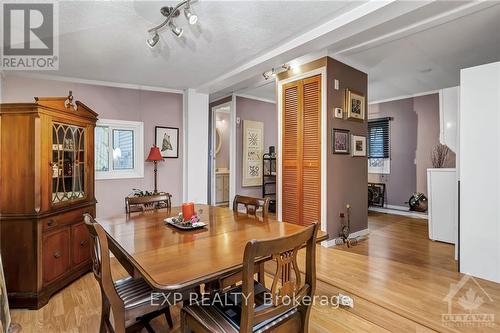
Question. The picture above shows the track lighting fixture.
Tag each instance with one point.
(190, 16)
(170, 13)
(153, 40)
(175, 29)
(275, 71)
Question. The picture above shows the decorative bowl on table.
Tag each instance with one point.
(185, 224)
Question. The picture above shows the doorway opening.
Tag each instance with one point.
(221, 154)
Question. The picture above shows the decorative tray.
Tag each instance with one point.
(184, 225)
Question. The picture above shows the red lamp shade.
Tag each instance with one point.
(154, 155)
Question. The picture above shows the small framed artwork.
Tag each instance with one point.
(167, 139)
(340, 141)
(355, 104)
(358, 144)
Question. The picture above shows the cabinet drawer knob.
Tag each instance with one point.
(50, 223)
(83, 243)
(57, 254)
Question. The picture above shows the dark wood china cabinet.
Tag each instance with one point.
(46, 185)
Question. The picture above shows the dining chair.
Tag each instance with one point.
(148, 202)
(288, 302)
(251, 205)
(128, 299)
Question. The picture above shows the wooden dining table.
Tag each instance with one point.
(175, 260)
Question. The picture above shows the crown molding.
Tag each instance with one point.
(95, 82)
(256, 98)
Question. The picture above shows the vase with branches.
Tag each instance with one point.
(439, 155)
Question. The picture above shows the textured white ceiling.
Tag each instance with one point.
(107, 40)
(427, 60)
(430, 59)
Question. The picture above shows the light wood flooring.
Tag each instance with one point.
(397, 277)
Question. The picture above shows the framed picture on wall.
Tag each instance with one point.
(376, 194)
(340, 141)
(355, 105)
(167, 139)
(358, 144)
(253, 149)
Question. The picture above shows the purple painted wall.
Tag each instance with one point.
(414, 132)
(401, 182)
(427, 110)
(251, 109)
(152, 108)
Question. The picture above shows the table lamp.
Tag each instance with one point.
(155, 156)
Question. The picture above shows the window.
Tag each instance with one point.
(378, 138)
(119, 149)
(379, 146)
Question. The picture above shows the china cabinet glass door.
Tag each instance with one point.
(68, 162)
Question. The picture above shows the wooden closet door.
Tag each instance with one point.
(311, 150)
(292, 96)
(301, 143)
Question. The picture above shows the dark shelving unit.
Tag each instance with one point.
(269, 179)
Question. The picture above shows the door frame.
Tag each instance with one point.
(232, 149)
(324, 139)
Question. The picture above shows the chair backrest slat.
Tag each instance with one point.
(251, 205)
(284, 251)
(149, 202)
(101, 265)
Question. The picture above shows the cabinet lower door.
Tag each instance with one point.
(80, 243)
(56, 254)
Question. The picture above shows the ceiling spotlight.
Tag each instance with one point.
(190, 16)
(153, 40)
(275, 71)
(176, 30)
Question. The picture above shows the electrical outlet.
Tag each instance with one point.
(336, 84)
(345, 300)
(341, 215)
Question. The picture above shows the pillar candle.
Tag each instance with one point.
(187, 210)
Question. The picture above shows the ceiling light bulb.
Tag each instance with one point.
(153, 40)
(190, 16)
(177, 31)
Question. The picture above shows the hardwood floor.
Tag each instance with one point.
(404, 240)
(397, 277)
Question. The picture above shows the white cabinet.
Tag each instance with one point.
(221, 188)
(443, 198)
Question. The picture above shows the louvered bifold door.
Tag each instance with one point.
(311, 150)
(292, 101)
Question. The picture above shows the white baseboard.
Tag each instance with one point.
(398, 210)
(331, 242)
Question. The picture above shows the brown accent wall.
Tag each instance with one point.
(347, 176)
